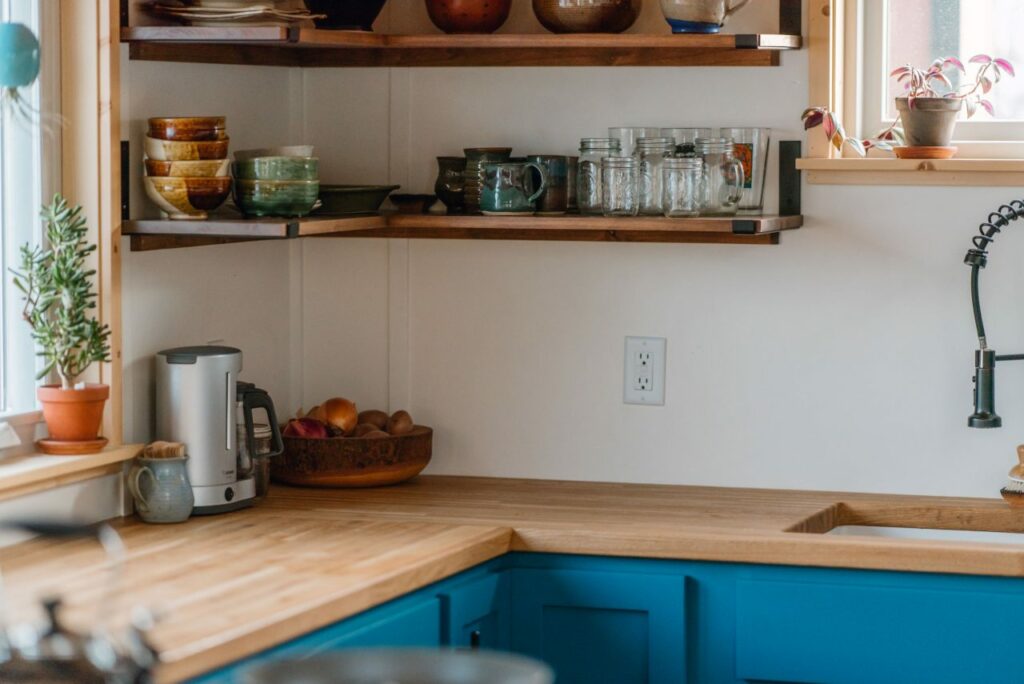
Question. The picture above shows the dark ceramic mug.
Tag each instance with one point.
(507, 187)
(450, 184)
(555, 198)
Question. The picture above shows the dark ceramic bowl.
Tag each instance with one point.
(339, 200)
(468, 16)
(351, 15)
(188, 128)
(586, 16)
(413, 204)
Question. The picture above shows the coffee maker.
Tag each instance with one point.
(201, 403)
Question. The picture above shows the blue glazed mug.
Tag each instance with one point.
(699, 16)
(161, 489)
(507, 187)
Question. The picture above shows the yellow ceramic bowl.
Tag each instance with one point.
(188, 169)
(187, 198)
(174, 150)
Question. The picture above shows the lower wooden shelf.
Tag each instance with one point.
(750, 230)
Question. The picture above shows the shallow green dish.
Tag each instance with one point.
(275, 198)
(277, 168)
(340, 200)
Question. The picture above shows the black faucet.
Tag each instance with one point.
(985, 359)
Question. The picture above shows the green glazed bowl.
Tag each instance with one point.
(277, 168)
(339, 200)
(286, 198)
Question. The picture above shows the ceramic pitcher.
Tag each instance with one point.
(699, 16)
(161, 489)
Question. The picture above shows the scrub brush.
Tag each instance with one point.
(177, 450)
(1013, 492)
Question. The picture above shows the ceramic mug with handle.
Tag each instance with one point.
(699, 16)
(161, 489)
(507, 187)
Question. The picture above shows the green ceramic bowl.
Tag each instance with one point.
(277, 168)
(286, 198)
(338, 200)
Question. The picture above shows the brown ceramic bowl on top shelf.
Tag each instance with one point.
(468, 16)
(188, 128)
(587, 16)
(353, 461)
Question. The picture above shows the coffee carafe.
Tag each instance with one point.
(201, 403)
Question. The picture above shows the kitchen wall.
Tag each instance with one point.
(840, 359)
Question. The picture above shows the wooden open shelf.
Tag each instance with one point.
(303, 47)
(749, 230)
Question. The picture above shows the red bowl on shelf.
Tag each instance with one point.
(468, 16)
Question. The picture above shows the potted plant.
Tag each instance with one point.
(926, 115)
(56, 286)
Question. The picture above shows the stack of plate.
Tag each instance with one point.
(232, 12)
(280, 181)
(187, 165)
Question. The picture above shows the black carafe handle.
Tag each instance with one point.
(255, 398)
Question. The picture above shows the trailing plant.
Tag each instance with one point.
(918, 83)
(57, 290)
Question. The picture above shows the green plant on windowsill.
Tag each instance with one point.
(57, 289)
(926, 114)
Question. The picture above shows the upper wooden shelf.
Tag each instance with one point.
(757, 230)
(302, 47)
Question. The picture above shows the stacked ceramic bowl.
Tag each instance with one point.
(280, 181)
(187, 165)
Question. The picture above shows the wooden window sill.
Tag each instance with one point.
(26, 474)
(983, 172)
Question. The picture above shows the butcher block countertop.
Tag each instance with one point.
(239, 583)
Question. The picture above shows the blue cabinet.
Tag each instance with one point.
(614, 627)
(642, 621)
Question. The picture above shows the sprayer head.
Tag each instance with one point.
(984, 415)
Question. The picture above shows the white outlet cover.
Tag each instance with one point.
(643, 380)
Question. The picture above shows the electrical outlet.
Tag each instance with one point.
(644, 381)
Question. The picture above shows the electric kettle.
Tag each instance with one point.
(201, 403)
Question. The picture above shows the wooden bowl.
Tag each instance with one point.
(353, 461)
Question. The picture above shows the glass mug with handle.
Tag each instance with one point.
(507, 187)
(723, 177)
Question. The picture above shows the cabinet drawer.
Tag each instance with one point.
(477, 614)
(908, 630)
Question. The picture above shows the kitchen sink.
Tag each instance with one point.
(932, 534)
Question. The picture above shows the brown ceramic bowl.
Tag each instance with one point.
(188, 128)
(413, 204)
(468, 16)
(188, 169)
(587, 16)
(181, 150)
(187, 198)
(353, 461)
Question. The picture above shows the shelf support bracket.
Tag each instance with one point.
(789, 178)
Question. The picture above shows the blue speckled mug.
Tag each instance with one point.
(161, 489)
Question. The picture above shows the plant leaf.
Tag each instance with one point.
(988, 107)
(980, 59)
(830, 125)
(1005, 65)
(954, 62)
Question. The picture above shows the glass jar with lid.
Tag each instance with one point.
(682, 187)
(651, 153)
(620, 186)
(723, 177)
(588, 172)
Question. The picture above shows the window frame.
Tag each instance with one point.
(835, 80)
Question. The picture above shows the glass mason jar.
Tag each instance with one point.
(620, 186)
(588, 172)
(652, 152)
(682, 187)
(723, 177)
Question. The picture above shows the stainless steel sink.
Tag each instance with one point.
(932, 534)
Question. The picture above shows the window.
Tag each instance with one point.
(29, 172)
(899, 32)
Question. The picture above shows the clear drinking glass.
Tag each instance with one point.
(686, 139)
(620, 192)
(682, 187)
(628, 135)
(723, 177)
(652, 152)
(588, 172)
(751, 145)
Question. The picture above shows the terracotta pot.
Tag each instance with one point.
(930, 122)
(468, 16)
(73, 415)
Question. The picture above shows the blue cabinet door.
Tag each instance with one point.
(602, 627)
(476, 614)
